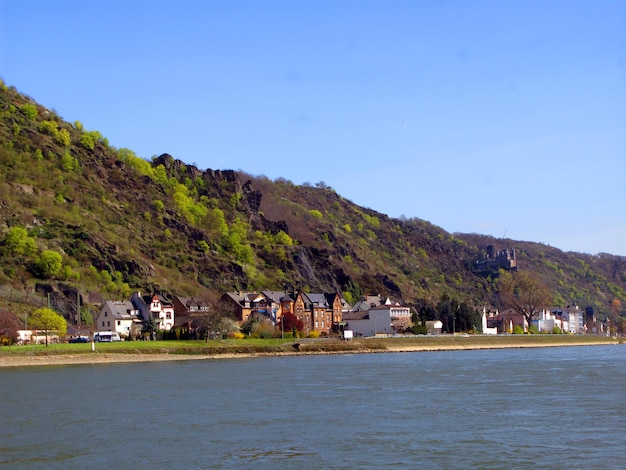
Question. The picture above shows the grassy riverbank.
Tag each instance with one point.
(181, 350)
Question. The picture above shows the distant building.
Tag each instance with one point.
(494, 260)
(374, 315)
(120, 316)
(155, 306)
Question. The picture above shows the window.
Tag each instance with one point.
(108, 323)
(106, 314)
(102, 323)
(322, 324)
(168, 315)
(316, 325)
(119, 323)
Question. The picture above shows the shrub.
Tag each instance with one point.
(236, 335)
(315, 213)
(49, 264)
(18, 242)
(518, 330)
(48, 127)
(63, 138)
(314, 334)
(556, 330)
(87, 141)
(69, 163)
(419, 329)
(283, 239)
(29, 110)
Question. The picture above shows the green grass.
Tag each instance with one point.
(282, 346)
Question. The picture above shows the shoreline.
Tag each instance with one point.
(96, 358)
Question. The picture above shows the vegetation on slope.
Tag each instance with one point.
(78, 216)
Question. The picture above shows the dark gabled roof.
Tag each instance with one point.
(361, 315)
(274, 296)
(315, 298)
(239, 297)
(330, 297)
(121, 309)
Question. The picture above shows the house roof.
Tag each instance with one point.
(389, 307)
(275, 296)
(360, 315)
(315, 298)
(121, 309)
(367, 302)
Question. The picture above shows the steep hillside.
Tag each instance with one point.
(78, 216)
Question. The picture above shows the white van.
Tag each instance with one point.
(106, 336)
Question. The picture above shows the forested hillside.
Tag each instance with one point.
(78, 216)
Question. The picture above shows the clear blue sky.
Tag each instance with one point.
(505, 118)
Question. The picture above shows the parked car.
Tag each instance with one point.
(79, 339)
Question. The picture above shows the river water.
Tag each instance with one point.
(491, 409)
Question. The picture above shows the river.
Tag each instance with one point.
(552, 408)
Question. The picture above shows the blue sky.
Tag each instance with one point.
(505, 118)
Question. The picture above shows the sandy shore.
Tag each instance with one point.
(23, 360)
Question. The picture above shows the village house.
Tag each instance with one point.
(238, 305)
(375, 315)
(318, 312)
(505, 321)
(155, 306)
(369, 322)
(573, 316)
(434, 327)
(187, 311)
(269, 304)
(120, 316)
(312, 310)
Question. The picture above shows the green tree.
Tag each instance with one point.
(49, 321)
(353, 292)
(18, 242)
(49, 264)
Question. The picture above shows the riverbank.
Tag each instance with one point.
(22, 356)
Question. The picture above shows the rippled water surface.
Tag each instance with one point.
(516, 408)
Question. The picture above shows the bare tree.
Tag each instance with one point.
(215, 320)
(524, 292)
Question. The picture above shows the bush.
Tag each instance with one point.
(419, 329)
(518, 330)
(314, 334)
(29, 110)
(87, 141)
(532, 329)
(556, 330)
(63, 138)
(49, 264)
